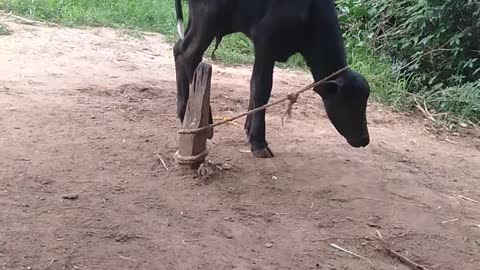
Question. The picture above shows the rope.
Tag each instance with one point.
(293, 97)
(190, 159)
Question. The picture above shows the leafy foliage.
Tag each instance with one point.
(434, 44)
(436, 40)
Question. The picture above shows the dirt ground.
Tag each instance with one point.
(87, 112)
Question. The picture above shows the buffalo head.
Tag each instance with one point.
(345, 99)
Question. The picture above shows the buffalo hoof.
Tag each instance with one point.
(263, 153)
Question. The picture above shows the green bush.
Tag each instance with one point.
(434, 44)
(438, 41)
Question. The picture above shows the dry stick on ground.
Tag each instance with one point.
(160, 158)
(408, 198)
(378, 200)
(411, 264)
(126, 258)
(432, 117)
(474, 125)
(351, 253)
(450, 221)
(185, 241)
(424, 110)
(28, 21)
(467, 199)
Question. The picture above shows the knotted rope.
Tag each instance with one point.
(292, 99)
(191, 159)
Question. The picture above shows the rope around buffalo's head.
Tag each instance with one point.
(292, 98)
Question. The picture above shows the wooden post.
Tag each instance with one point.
(193, 147)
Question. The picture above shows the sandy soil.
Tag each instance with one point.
(85, 112)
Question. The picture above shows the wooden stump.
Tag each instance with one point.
(193, 147)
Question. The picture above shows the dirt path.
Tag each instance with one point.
(85, 112)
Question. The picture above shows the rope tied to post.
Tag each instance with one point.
(292, 98)
(191, 159)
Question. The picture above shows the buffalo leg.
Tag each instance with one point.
(248, 121)
(188, 54)
(261, 88)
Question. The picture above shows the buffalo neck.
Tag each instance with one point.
(325, 53)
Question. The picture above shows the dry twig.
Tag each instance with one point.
(126, 258)
(467, 199)
(28, 21)
(349, 252)
(161, 159)
(450, 221)
(185, 241)
(423, 109)
(411, 264)
(474, 125)
(389, 202)
(449, 141)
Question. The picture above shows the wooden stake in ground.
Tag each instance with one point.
(193, 147)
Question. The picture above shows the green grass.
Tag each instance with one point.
(148, 15)
(387, 87)
(462, 101)
(158, 16)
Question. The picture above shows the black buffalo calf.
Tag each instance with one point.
(278, 29)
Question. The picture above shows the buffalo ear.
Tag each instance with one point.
(329, 87)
